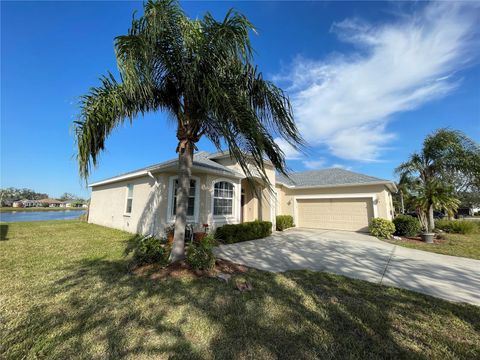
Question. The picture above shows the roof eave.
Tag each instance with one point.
(164, 167)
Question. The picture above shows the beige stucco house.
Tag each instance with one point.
(143, 201)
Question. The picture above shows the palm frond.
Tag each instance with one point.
(201, 72)
(103, 109)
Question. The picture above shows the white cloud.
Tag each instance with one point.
(342, 166)
(290, 152)
(345, 102)
(314, 164)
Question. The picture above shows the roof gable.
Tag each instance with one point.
(201, 160)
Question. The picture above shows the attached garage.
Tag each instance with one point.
(335, 199)
(352, 214)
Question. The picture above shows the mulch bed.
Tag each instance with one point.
(418, 240)
(180, 269)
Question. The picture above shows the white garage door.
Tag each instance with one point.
(338, 214)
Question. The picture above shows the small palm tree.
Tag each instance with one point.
(404, 186)
(200, 72)
(444, 152)
(434, 194)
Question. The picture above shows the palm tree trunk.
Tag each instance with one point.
(402, 204)
(430, 219)
(185, 162)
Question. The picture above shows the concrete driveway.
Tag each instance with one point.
(362, 257)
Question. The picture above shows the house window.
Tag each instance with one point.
(128, 209)
(191, 198)
(223, 198)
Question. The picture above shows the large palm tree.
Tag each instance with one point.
(444, 152)
(201, 73)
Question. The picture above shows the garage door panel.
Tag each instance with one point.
(340, 214)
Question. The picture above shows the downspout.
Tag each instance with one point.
(153, 177)
(155, 186)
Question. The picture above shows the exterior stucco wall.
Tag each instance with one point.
(286, 197)
(152, 200)
(151, 212)
(108, 203)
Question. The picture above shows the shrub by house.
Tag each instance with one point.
(381, 228)
(233, 233)
(284, 222)
(406, 225)
(200, 255)
(457, 226)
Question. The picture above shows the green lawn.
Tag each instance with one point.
(454, 244)
(65, 293)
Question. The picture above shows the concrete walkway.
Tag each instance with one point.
(362, 257)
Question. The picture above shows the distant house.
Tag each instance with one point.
(467, 211)
(26, 203)
(74, 204)
(50, 202)
(17, 204)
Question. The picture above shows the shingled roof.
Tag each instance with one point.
(201, 160)
(327, 177)
(206, 161)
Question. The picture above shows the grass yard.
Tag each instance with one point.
(65, 293)
(454, 244)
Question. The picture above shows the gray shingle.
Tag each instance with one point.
(326, 177)
(200, 159)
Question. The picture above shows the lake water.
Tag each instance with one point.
(16, 216)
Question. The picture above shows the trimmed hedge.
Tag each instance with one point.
(381, 228)
(406, 225)
(233, 233)
(284, 222)
(457, 226)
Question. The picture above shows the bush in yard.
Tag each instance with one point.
(381, 228)
(457, 226)
(406, 225)
(148, 250)
(284, 222)
(200, 255)
(252, 230)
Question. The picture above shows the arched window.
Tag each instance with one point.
(223, 198)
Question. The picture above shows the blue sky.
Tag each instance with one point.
(368, 81)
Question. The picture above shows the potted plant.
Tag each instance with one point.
(200, 235)
(169, 233)
(426, 236)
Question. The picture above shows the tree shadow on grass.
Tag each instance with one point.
(101, 310)
(3, 232)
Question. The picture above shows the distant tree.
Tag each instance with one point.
(466, 185)
(11, 194)
(469, 199)
(403, 197)
(68, 196)
(445, 152)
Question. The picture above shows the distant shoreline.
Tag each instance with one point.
(11, 209)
